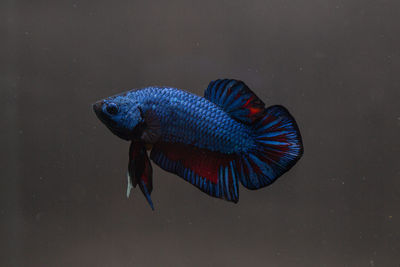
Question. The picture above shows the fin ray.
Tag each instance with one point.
(236, 99)
(279, 148)
(209, 171)
(140, 170)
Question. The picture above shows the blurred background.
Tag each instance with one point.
(334, 64)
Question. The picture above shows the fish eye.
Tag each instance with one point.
(112, 109)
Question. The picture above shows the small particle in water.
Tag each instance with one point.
(38, 216)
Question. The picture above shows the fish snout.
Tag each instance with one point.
(97, 107)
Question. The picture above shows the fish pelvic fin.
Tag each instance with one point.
(140, 171)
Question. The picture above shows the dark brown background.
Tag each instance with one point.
(335, 65)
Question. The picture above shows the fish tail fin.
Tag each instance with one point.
(279, 147)
(277, 137)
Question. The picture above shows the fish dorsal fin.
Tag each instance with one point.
(236, 99)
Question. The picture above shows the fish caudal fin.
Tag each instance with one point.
(279, 147)
(279, 144)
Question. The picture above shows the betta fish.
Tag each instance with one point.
(212, 142)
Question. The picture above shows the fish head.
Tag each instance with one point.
(121, 114)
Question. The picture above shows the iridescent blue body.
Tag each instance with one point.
(190, 119)
(212, 142)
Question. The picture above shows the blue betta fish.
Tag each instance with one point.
(213, 142)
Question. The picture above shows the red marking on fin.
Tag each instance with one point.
(203, 162)
(234, 96)
(212, 172)
(140, 169)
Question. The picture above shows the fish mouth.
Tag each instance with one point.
(109, 123)
(97, 107)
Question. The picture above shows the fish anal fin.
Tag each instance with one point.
(212, 172)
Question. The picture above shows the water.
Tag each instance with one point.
(333, 64)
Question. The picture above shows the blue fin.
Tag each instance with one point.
(279, 147)
(146, 193)
(236, 99)
(211, 172)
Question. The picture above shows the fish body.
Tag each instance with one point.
(212, 142)
(193, 120)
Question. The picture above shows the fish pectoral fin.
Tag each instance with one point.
(152, 131)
